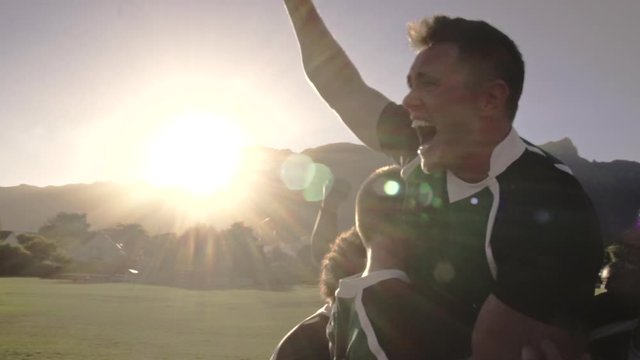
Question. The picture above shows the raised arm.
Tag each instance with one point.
(334, 76)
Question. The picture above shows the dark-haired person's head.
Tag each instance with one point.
(379, 205)
(464, 87)
(346, 257)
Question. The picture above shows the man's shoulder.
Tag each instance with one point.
(538, 172)
(538, 186)
(536, 160)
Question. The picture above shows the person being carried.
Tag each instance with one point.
(308, 340)
(378, 314)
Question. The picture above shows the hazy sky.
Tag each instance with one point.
(86, 86)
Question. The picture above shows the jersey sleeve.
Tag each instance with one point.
(386, 318)
(409, 325)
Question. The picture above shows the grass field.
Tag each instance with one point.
(47, 319)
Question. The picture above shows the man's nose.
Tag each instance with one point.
(411, 102)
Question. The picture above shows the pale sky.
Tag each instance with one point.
(88, 85)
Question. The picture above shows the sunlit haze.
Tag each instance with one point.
(102, 90)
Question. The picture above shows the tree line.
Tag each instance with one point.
(202, 257)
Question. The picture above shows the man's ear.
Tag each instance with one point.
(494, 96)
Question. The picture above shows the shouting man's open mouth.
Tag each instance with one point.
(426, 133)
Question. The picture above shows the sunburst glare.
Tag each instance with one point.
(198, 152)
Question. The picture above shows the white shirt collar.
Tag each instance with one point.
(503, 155)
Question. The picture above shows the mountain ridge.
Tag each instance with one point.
(613, 186)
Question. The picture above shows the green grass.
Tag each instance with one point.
(51, 320)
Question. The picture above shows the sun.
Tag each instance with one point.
(198, 152)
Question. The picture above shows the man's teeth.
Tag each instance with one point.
(418, 123)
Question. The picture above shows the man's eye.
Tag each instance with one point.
(427, 83)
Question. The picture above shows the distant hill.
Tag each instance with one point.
(259, 195)
(614, 187)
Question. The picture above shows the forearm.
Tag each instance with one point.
(322, 56)
(333, 74)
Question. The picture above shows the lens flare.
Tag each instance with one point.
(297, 171)
(320, 184)
(391, 188)
(425, 194)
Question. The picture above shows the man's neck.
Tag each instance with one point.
(476, 166)
(474, 173)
